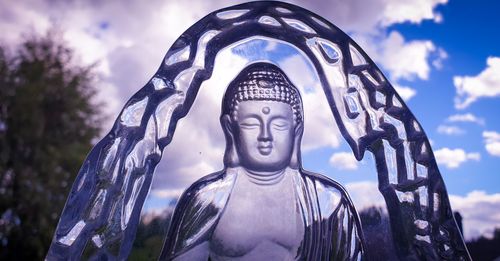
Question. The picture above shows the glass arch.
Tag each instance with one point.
(103, 209)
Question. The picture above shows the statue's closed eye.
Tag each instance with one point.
(280, 124)
(250, 124)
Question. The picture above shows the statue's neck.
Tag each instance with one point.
(264, 178)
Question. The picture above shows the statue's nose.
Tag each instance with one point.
(265, 133)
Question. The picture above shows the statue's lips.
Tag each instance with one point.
(265, 150)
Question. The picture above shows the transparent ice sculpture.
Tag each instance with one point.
(302, 215)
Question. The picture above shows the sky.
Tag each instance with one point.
(442, 56)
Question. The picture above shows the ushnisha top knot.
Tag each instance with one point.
(262, 82)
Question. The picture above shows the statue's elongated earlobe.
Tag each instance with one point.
(231, 158)
(295, 160)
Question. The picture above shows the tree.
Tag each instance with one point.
(48, 121)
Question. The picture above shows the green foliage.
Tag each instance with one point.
(150, 237)
(47, 125)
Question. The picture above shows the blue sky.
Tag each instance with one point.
(468, 36)
(428, 49)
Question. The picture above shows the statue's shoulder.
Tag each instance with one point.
(331, 196)
(325, 183)
(220, 181)
(205, 199)
(204, 182)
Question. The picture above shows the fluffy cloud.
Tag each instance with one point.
(17, 19)
(406, 60)
(439, 58)
(368, 16)
(467, 117)
(404, 91)
(492, 141)
(344, 161)
(365, 194)
(485, 84)
(402, 59)
(450, 130)
(479, 211)
(411, 11)
(453, 158)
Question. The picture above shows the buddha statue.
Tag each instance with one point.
(263, 205)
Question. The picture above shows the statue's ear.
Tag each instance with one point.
(295, 161)
(230, 155)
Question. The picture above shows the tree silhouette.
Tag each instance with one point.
(484, 248)
(47, 124)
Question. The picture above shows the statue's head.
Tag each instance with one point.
(262, 119)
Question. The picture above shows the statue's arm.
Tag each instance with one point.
(340, 233)
(195, 218)
(349, 241)
(184, 240)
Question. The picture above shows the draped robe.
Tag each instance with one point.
(332, 228)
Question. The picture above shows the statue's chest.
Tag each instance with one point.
(257, 216)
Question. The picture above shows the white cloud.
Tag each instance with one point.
(467, 117)
(479, 211)
(440, 56)
(492, 141)
(19, 18)
(485, 84)
(405, 92)
(453, 158)
(406, 60)
(368, 16)
(344, 161)
(450, 130)
(401, 59)
(365, 194)
(411, 11)
(491, 135)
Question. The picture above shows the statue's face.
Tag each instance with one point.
(265, 136)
